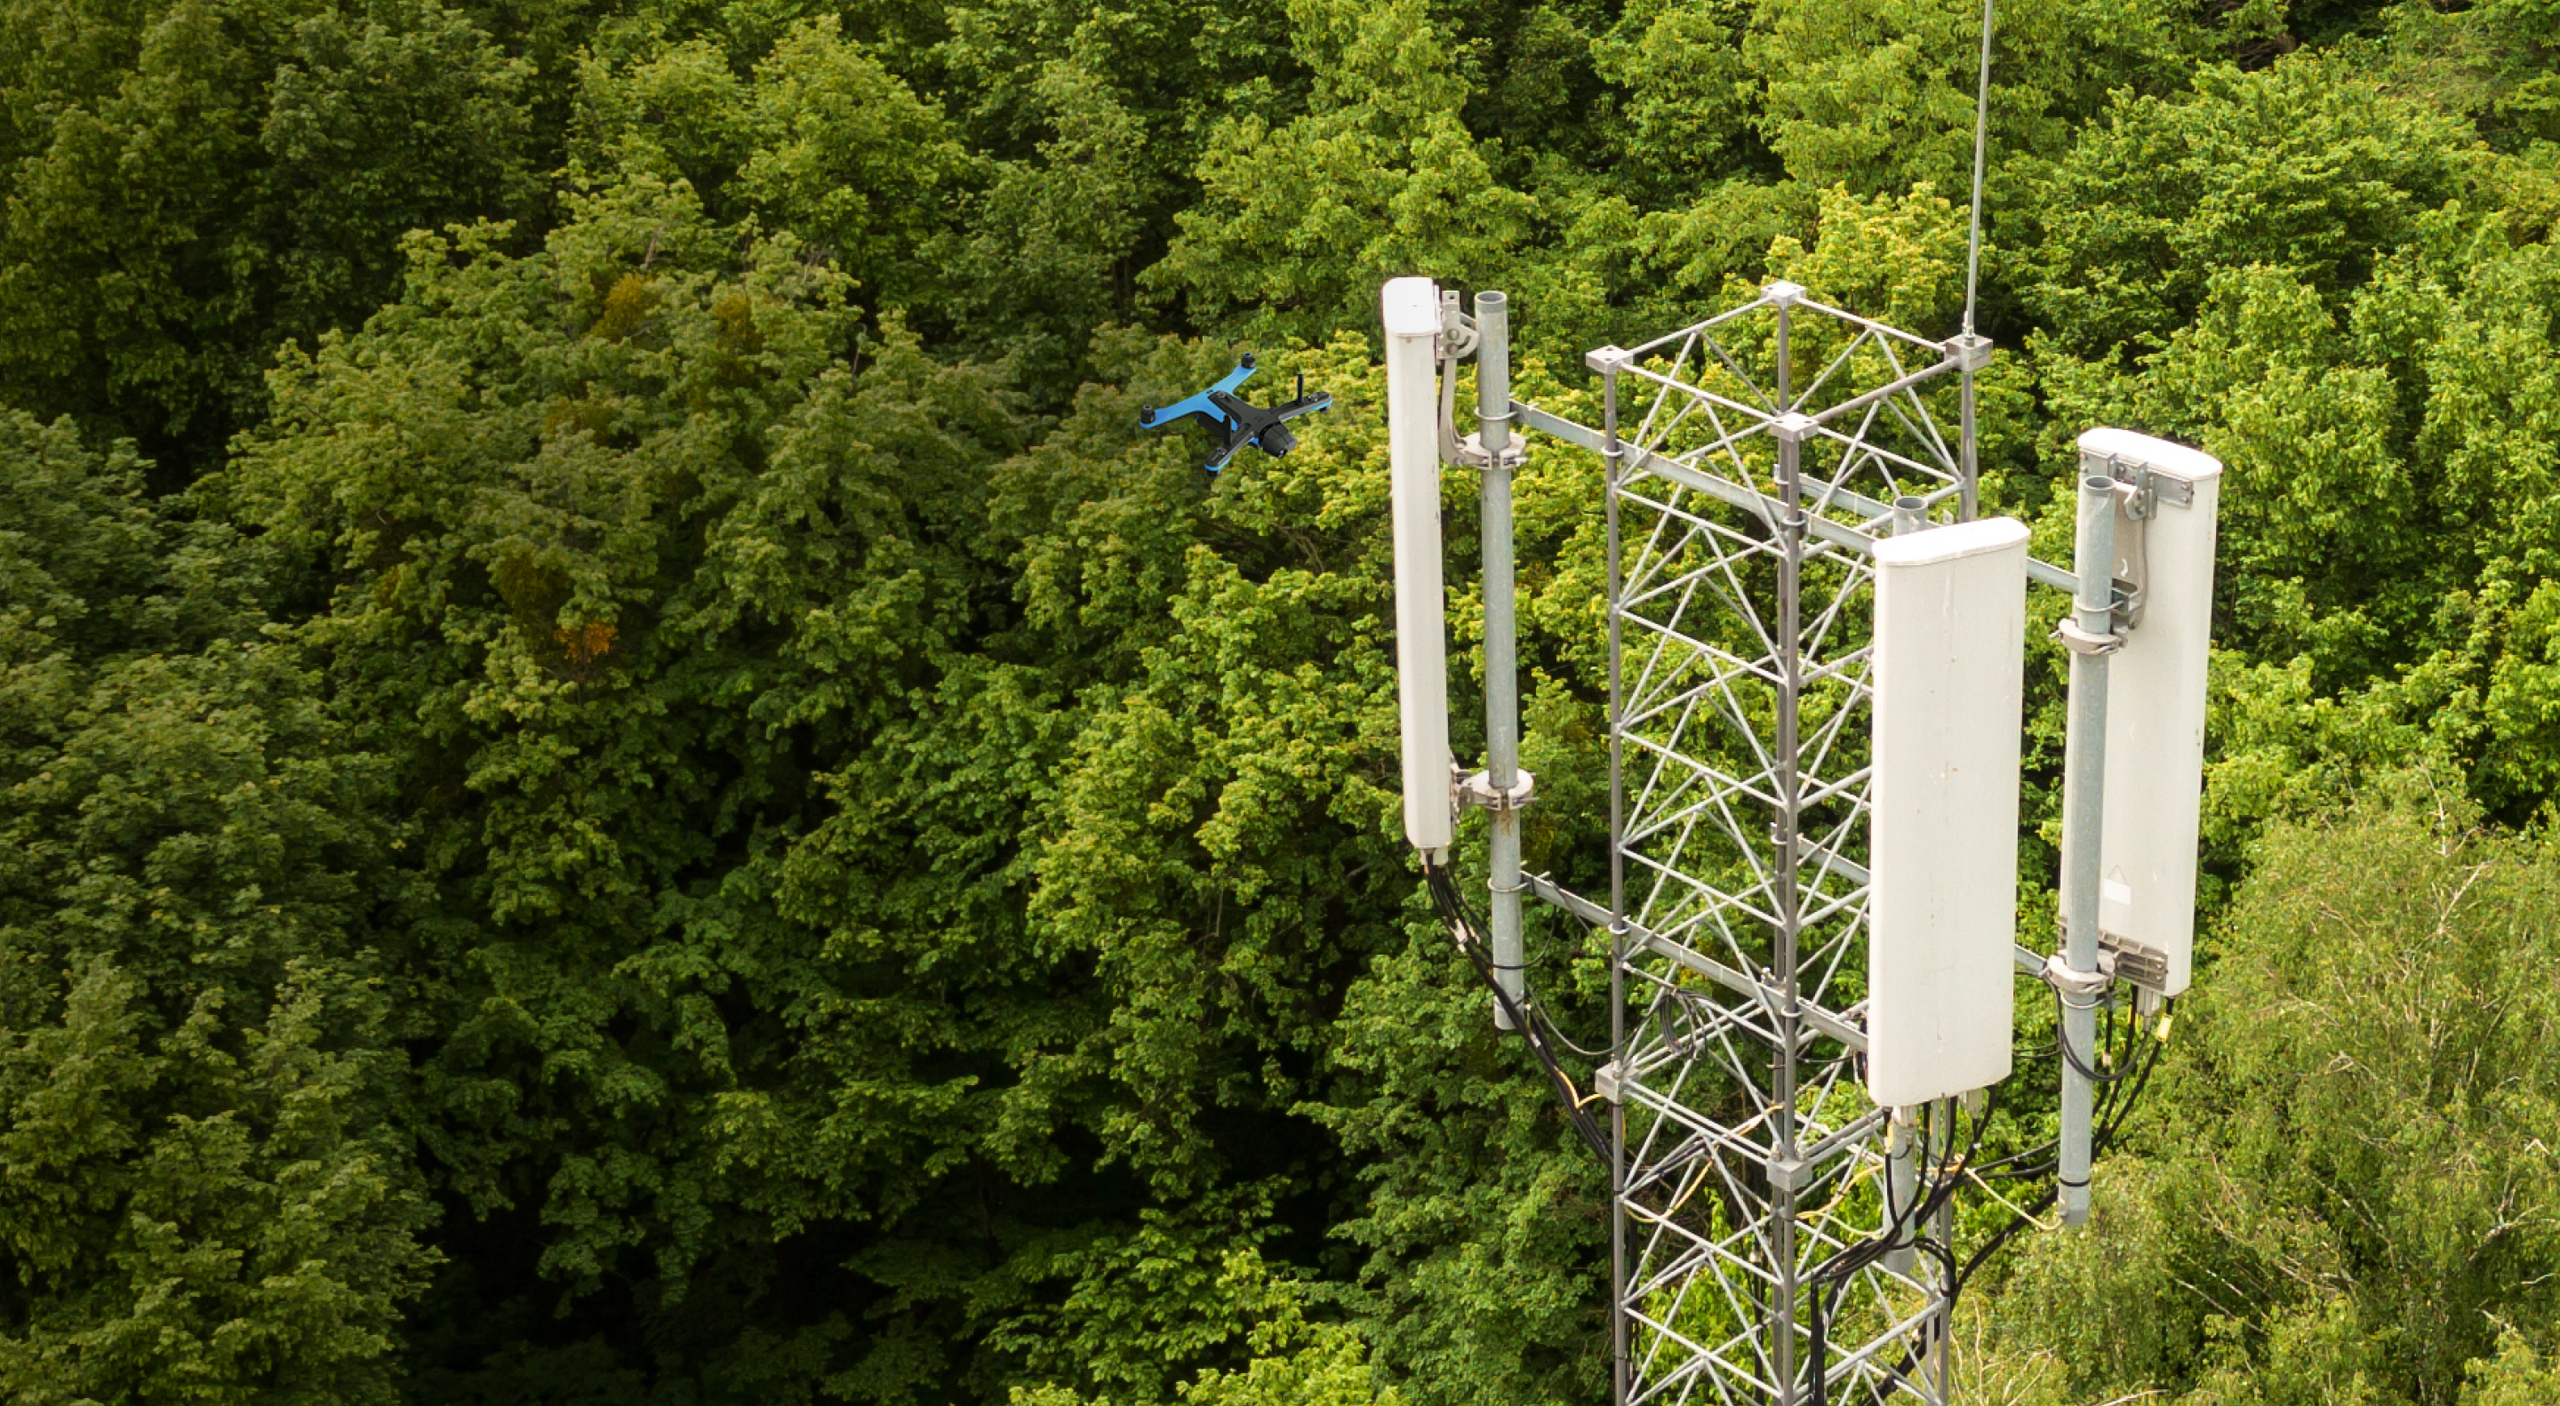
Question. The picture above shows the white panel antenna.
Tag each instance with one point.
(1950, 632)
(1412, 313)
(2156, 696)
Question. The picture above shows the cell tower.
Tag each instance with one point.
(1815, 653)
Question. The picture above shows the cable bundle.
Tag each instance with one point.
(1527, 1017)
(2119, 1092)
(2120, 1085)
(1901, 1231)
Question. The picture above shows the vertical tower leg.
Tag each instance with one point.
(1621, 1364)
(1784, 889)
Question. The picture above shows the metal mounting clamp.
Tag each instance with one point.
(1471, 452)
(2059, 975)
(1478, 790)
(2080, 641)
(2140, 494)
(2144, 490)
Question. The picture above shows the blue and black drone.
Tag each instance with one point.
(1236, 423)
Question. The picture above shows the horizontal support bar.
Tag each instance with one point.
(1751, 499)
(1822, 1021)
(2053, 576)
(1885, 392)
(1855, 1128)
(1882, 329)
(1699, 328)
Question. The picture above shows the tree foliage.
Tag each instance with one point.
(2344, 1191)
(625, 779)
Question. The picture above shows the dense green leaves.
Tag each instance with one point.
(203, 180)
(205, 1189)
(2302, 168)
(623, 778)
(2345, 1190)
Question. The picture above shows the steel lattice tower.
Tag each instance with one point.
(1750, 457)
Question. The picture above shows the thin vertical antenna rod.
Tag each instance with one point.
(1981, 142)
(1974, 352)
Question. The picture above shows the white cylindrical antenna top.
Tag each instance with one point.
(1412, 310)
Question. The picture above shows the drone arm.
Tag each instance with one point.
(1235, 438)
(1199, 404)
(1303, 405)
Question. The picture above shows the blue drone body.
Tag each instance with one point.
(1236, 423)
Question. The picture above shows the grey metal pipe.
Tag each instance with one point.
(1942, 1228)
(1620, 1364)
(1969, 477)
(1901, 1183)
(2084, 770)
(1901, 1168)
(1501, 657)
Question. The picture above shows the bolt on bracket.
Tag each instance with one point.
(1458, 334)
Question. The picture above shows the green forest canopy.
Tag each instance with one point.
(623, 779)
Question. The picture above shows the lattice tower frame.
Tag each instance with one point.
(1747, 1159)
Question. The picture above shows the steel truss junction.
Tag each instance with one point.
(1752, 460)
